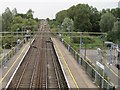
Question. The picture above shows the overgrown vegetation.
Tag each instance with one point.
(88, 19)
(91, 42)
(13, 21)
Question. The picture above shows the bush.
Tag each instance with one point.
(0, 50)
(84, 40)
(9, 40)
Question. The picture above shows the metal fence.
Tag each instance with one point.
(95, 76)
(5, 58)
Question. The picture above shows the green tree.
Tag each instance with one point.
(29, 14)
(116, 12)
(116, 26)
(18, 22)
(114, 35)
(94, 19)
(81, 19)
(67, 25)
(14, 11)
(7, 20)
(107, 22)
(60, 16)
(71, 12)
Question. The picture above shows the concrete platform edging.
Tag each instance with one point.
(61, 64)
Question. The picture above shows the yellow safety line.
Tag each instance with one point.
(68, 68)
(106, 66)
(12, 65)
(113, 71)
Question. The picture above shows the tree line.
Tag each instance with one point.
(85, 18)
(11, 21)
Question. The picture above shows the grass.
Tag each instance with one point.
(93, 42)
(97, 43)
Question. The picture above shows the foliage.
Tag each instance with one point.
(71, 12)
(67, 25)
(81, 19)
(10, 40)
(107, 22)
(92, 42)
(11, 21)
(89, 40)
(114, 35)
(94, 19)
(116, 26)
(14, 12)
(85, 17)
(60, 16)
(116, 12)
(88, 19)
(53, 23)
(7, 20)
(29, 14)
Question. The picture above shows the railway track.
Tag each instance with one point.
(40, 68)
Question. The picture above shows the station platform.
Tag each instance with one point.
(76, 77)
(74, 74)
(7, 71)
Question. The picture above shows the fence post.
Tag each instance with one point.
(95, 77)
(108, 86)
(68, 47)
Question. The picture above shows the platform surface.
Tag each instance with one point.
(7, 71)
(76, 76)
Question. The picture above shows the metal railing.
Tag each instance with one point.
(14, 50)
(11, 53)
(95, 76)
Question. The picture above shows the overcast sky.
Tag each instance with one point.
(48, 8)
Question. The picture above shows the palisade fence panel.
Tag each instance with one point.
(11, 53)
(13, 50)
(95, 76)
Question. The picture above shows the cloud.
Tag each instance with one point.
(48, 8)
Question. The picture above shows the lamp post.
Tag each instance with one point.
(111, 47)
(80, 47)
(62, 32)
(69, 38)
(30, 37)
(85, 51)
(17, 39)
(117, 54)
(80, 43)
(99, 54)
(4, 54)
(22, 32)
